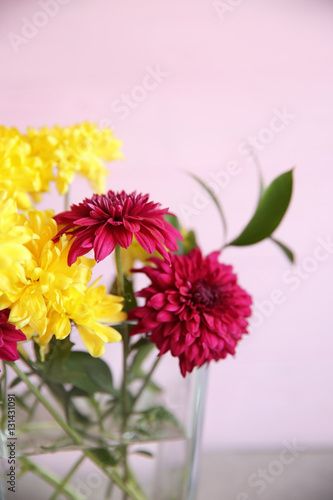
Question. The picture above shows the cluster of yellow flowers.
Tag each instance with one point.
(29, 162)
(43, 293)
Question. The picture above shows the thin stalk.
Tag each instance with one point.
(69, 431)
(131, 491)
(146, 381)
(64, 482)
(48, 477)
(34, 406)
(108, 491)
(124, 409)
(97, 409)
(121, 292)
(67, 200)
(259, 169)
(120, 274)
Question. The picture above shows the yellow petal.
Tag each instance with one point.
(94, 345)
(105, 333)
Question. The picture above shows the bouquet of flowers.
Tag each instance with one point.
(192, 306)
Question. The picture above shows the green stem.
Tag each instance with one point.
(67, 200)
(108, 491)
(99, 415)
(146, 381)
(69, 431)
(131, 491)
(124, 408)
(121, 292)
(48, 477)
(34, 406)
(120, 274)
(64, 482)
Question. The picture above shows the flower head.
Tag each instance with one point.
(75, 149)
(195, 308)
(30, 162)
(13, 235)
(9, 337)
(109, 219)
(21, 173)
(49, 295)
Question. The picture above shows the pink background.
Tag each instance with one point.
(222, 78)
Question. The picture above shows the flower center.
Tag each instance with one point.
(205, 294)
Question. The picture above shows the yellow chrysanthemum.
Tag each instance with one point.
(76, 149)
(90, 311)
(13, 253)
(50, 294)
(29, 162)
(21, 174)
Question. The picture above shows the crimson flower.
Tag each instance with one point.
(195, 308)
(109, 219)
(9, 337)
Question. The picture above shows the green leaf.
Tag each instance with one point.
(285, 249)
(88, 373)
(17, 380)
(190, 241)
(144, 452)
(215, 200)
(272, 206)
(145, 348)
(130, 300)
(75, 392)
(83, 371)
(105, 456)
(142, 342)
(154, 387)
(20, 401)
(157, 414)
(58, 351)
(173, 220)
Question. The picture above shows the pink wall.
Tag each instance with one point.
(221, 77)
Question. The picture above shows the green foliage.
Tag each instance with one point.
(140, 351)
(215, 200)
(173, 220)
(78, 368)
(271, 208)
(143, 349)
(144, 452)
(155, 416)
(87, 373)
(130, 300)
(190, 241)
(273, 203)
(104, 456)
(285, 249)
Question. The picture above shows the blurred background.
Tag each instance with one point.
(187, 85)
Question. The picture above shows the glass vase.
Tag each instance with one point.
(156, 454)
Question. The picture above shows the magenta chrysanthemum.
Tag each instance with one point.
(195, 308)
(109, 219)
(9, 337)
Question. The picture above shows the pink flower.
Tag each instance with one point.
(195, 308)
(9, 337)
(109, 219)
